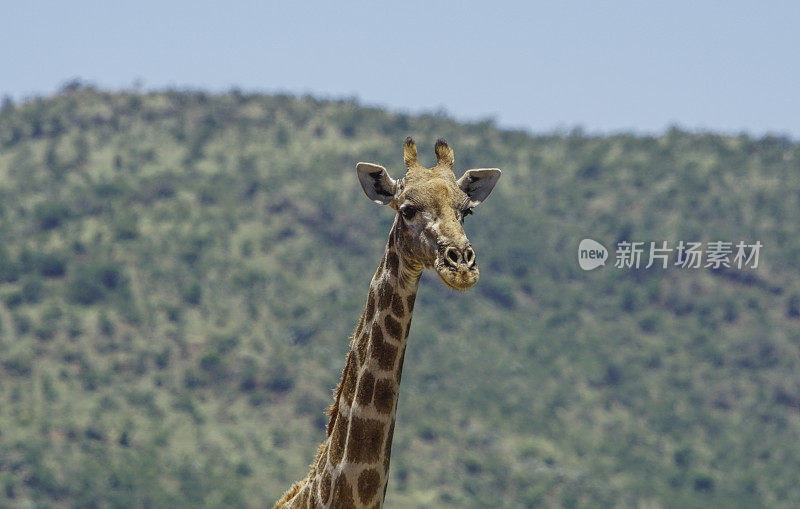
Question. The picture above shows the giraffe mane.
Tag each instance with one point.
(333, 411)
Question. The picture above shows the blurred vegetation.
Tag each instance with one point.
(180, 272)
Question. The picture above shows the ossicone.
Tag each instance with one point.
(444, 154)
(410, 153)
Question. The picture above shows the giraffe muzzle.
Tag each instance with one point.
(457, 267)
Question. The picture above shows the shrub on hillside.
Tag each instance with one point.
(51, 214)
(94, 282)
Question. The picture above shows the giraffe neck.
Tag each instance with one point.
(352, 465)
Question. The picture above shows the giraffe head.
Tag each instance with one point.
(431, 206)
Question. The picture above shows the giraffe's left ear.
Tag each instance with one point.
(478, 184)
(376, 182)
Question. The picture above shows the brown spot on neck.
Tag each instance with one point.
(398, 375)
(398, 308)
(393, 327)
(343, 494)
(348, 371)
(364, 442)
(382, 351)
(410, 301)
(366, 317)
(368, 483)
(392, 263)
(385, 395)
(387, 450)
(325, 487)
(349, 383)
(361, 346)
(337, 440)
(366, 385)
(385, 293)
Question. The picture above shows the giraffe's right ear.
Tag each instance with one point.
(377, 183)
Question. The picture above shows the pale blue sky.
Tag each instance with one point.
(607, 66)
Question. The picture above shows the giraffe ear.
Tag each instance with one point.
(478, 184)
(376, 182)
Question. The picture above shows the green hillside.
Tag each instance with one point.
(180, 272)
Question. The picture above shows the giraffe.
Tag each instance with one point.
(351, 467)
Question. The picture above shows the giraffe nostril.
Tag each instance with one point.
(452, 256)
(469, 256)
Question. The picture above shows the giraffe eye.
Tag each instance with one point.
(465, 213)
(408, 212)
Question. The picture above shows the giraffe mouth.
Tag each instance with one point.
(461, 278)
